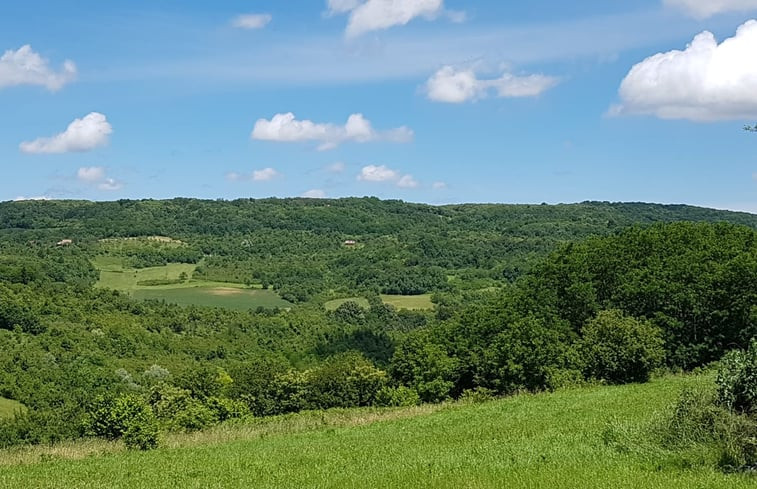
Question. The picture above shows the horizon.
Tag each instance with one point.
(439, 102)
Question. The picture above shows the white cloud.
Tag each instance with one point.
(81, 135)
(25, 67)
(110, 184)
(456, 86)
(251, 21)
(314, 194)
(703, 9)
(705, 82)
(91, 174)
(439, 185)
(407, 181)
(286, 128)
(95, 175)
(373, 173)
(263, 175)
(383, 174)
(373, 15)
(337, 167)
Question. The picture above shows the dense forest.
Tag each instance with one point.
(526, 298)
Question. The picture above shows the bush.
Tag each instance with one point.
(400, 396)
(345, 380)
(621, 349)
(177, 410)
(128, 417)
(737, 381)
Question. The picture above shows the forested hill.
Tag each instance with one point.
(351, 216)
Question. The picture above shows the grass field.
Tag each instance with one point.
(189, 292)
(9, 407)
(582, 438)
(398, 301)
(215, 296)
(409, 301)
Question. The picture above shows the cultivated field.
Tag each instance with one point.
(600, 437)
(184, 292)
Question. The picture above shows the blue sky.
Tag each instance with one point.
(447, 101)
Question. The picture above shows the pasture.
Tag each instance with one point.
(185, 291)
(596, 437)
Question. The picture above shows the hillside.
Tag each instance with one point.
(581, 438)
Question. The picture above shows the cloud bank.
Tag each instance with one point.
(25, 67)
(285, 128)
(84, 134)
(455, 86)
(705, 82)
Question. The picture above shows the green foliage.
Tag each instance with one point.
(737, 381)
(698, 420)
(176, 409)
(619, 349)
(343, 381)
(399, 396)
(128, 417)
(425, 367)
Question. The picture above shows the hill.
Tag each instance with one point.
(581, 438)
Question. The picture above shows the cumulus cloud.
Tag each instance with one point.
(95, 175)
(314, 194)
(25, 67)
(383, 174)
(703, 9)
(705, 82)
(373, 15)
(286, 128)
(263, 175)
(251, 21)
(455, 86)
(84, 134)
(373, 173)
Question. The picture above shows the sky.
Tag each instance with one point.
(436, 101)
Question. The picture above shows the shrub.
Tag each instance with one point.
(400, 396)
(128, 417)
(620, 349)
(344, 380)
(737, 381)
(177, 410)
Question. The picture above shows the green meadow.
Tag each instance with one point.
(187, 291)
(399, 301)
(9, 407)
(597, 437)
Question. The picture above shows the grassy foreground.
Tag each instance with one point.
(583, 438)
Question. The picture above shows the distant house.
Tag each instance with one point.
(65, 242)
(350, 242)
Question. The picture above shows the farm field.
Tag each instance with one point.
(9, 407)
(398, 301)
(594, 437)
(188, 292)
